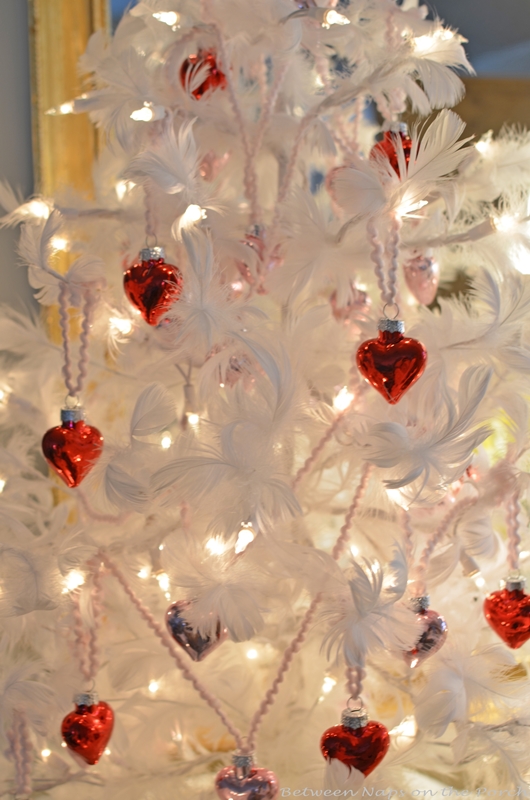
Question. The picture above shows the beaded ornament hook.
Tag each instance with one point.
(89, 302)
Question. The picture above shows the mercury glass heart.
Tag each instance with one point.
(194, 643)
(432, 638)
(71, 449)
(259, 784)
(392, 363)
(201, 65)
(422, 276)
(508, 613)
(359, 748)
(87, 730)
(151, 285)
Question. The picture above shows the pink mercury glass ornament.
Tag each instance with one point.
(422, 276)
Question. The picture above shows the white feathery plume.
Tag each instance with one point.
(35, 248)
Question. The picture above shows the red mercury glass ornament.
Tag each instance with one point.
(357, 743)
(189, 638)
(205, 62)
(73, 447)
(433, 632)
(508, 612)
(151, 285)
(386, 148)
(87, 730)
(244, 781)
(392, 363)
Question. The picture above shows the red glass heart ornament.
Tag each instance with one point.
(362, 747)
(151, 285)
(422, 276)
(72, 448)
(433, 633)
(204, 64)
(508, 613)
(194, 643)
(243, 781)
(87, 730)
(387, 147)
(392, 363)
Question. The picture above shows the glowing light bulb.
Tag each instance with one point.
(483, 146)
(59, 243)
(237, 286)
(328, 684)
(354, 550)
(407, 727)
(166, 441)
(193, 419)
(216, 546)
(122, 187)
(121, 325)
(73, 581)
(406, 208)
(506, 223)
(153, 687)
(161, 546)
(333, 17)
(45, 753)
(252, 654)
(245, 536)
(2, 485)
(170, 18)
(38, 209)
(107, 751)
(144, 572)
(479, 581)
(64, 108)
(423, 44)
(144, 114)
(63, 744)
(375, 567)
(343, 399)
(192, 215)
(163, 581)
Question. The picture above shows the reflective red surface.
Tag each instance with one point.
(433, 635)
(71, 449)
(87, 730)
(259, 784)
(152, 287)
(387, 148)
(214, 78)
(508, 613)
(360, 748)
(391, 363)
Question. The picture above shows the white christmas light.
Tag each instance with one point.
(192, 215)
(406, 208)
(506, 223)
(237, 286)
(479, 581)
(38, 209)
(216, 546)
(63, 744)
(73, 581)
(144, 114)
(193, 419)
(407, 727)
(166, 441)
(107, 751)
(170, 18)
(59, 243)
(252, 654)
(245, 536)
(163, 581)
(328, 684)
(122, 187)
(375, 567)
(144, 572)
(333, 17)
(45, 753)
(64, 108)
(153, 687)
(121, 325)
(354, 550)
(343, 399)
(2, 485)
(423, 44)
(161, 546)
(483, 146)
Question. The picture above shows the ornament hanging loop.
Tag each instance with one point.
(358, 704)
(72, 401)
(391, 305)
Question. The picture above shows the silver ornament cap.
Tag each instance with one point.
(152, 253)
(86, 699)
(399, 127)
(419, 604)
(391, 325)
(354, 718)
(71, 414)
(514, 583)
(243, 762)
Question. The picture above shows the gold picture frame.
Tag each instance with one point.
(64, 145)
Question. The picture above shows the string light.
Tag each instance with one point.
(354, 550)
(216, 546)
(107, 751)
(193, 419)
(479, 581)
(423, 44)
(144, 573)
(407, 728)
(123, 187)
(163, 581)
(144, 114)
(2, 485)
(166, 441)
(328, 684)
(121, 325)
(333, 17)
(45, 753)
(343, 399)
(245, 536)
(170, 18)
(483, 146)
(153, 687)
(506, 223)
(38, 209)
(63, 744)
(64, 108)
(252, 654)
(193, 214)
(161, 546)
(59, 243)
(406, 208)
(73, 581)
